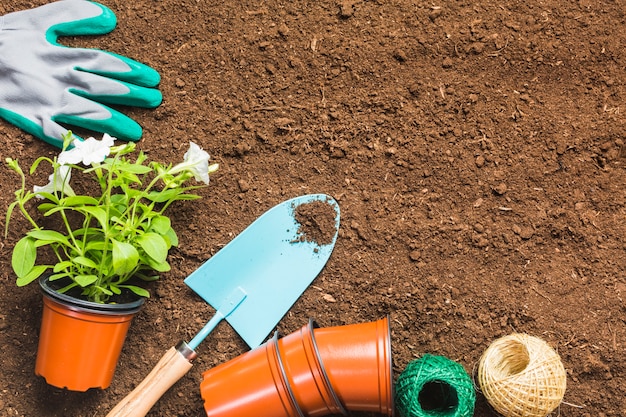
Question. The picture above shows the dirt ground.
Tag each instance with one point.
(476, 150)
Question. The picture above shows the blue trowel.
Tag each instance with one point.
(251, 282)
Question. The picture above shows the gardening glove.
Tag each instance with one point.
(44, 85)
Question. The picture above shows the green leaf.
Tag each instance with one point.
(59, 276)
(90, 233)
(48, 196)
(7, 219)
(137, 290)
(62, 266)
(172, 237)
(163, 196)
(119, 199)
(95, 245)
(104, 290)
(154, 245)
(81, 260)
(55, 209)
(99, 214)
(135, 168)
(125, 179)
(157, 266)
(125, 257)
(45, 207)
(182, 197)
(78, 200)
(85, 280)
(32, 275)
(48, 236)
(24, 256)
(160, 224)
(35, 164)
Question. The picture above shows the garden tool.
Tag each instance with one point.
(251, 282)
(45, 85)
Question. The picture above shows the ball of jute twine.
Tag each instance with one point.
(521, 376)
(434, 386)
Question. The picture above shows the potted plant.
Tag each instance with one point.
(97, 248)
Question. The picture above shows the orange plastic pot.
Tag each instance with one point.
(252, 384)
(305, 375)
(357, 360)
(80, 342)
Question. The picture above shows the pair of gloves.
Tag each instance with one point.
(45, 86)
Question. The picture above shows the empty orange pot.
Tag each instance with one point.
(357, 360)
(252, 384)
(305, 375)
(80, 341)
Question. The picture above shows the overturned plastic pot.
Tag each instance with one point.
(80, 341)
(310, 373)
(305, 374)
(357, 359)
(252, 384)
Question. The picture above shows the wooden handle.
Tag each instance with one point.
(171, 367)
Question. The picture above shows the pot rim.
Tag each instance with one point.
(78, 304)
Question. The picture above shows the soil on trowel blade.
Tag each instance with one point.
(317, 222)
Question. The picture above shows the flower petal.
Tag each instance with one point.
(198, 160)
(88, 152)
(59, 182)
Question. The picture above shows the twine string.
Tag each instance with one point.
(434, 386)
(522, 376)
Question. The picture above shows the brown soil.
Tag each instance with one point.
(476, 150)
(317, 222)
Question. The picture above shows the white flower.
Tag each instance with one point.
(88, 152)
(59, 181)
(196, 161)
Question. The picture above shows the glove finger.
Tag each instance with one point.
(64, 18)
(48, 130)
(118, 125)
(114, 66)
(79, 112)
(108, 91)
(93, 116)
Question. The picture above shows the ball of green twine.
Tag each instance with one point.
(434, 386)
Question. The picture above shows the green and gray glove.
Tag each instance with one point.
(44, 85)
